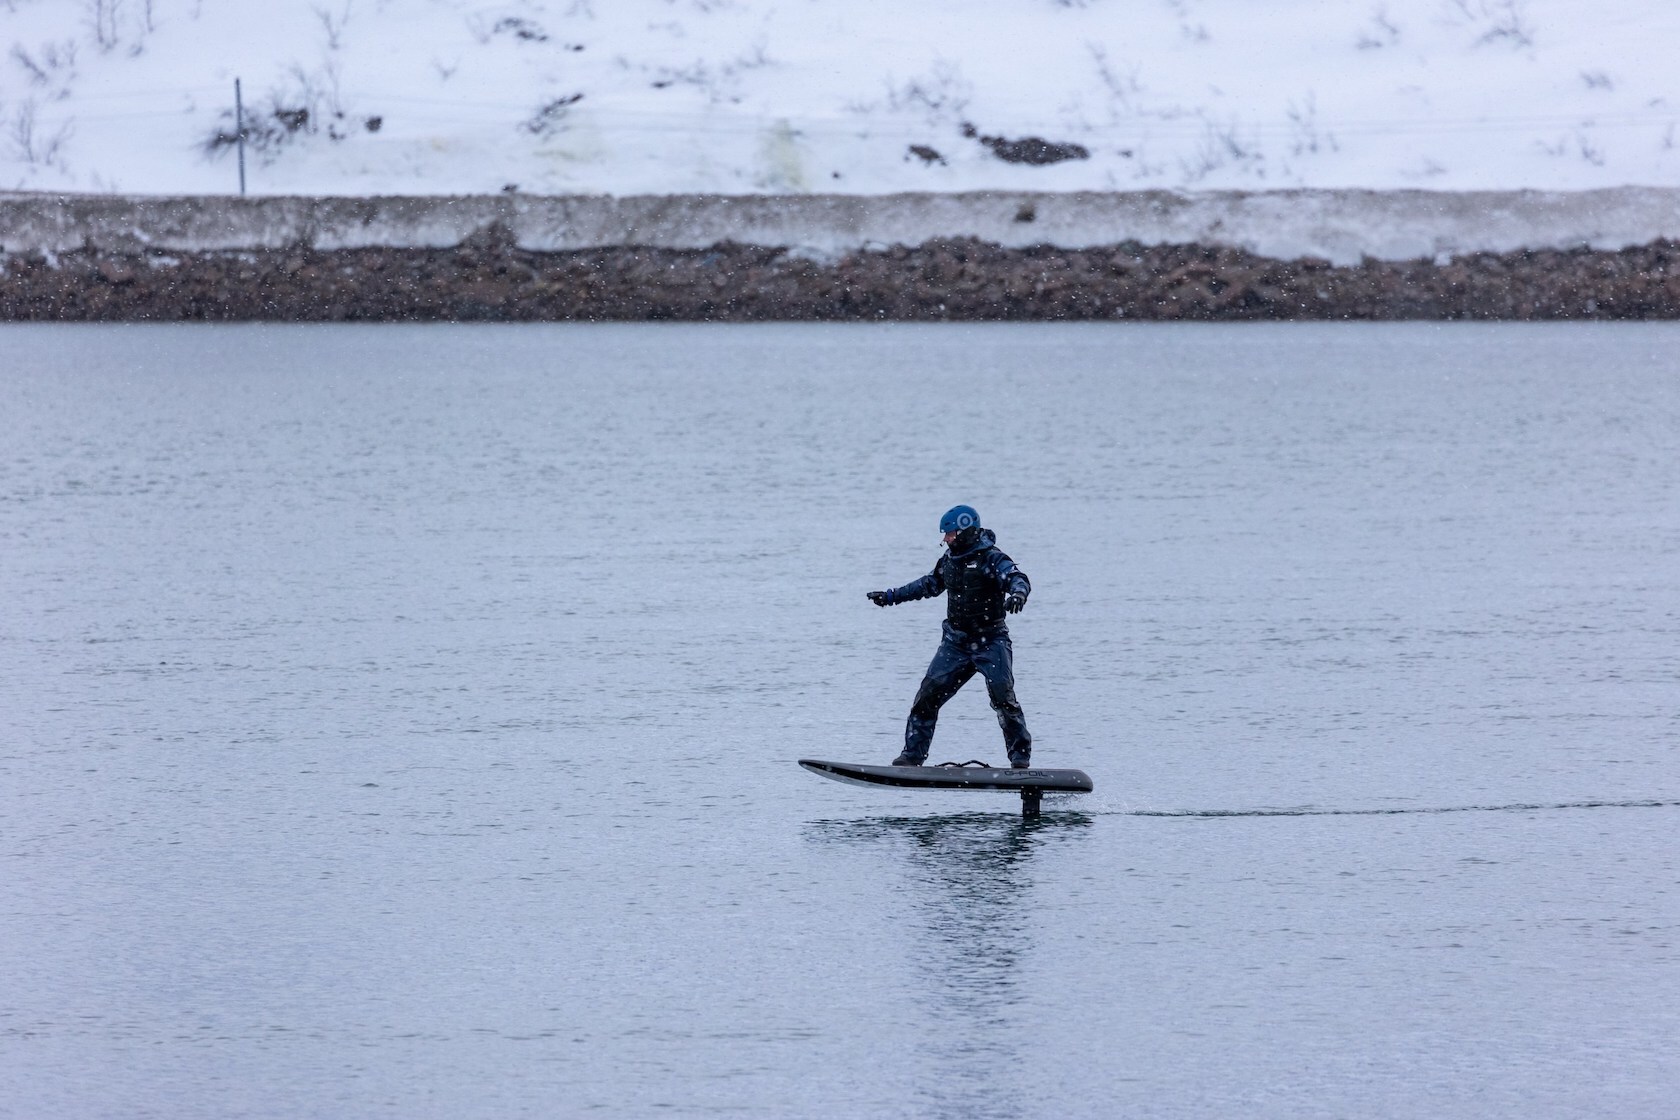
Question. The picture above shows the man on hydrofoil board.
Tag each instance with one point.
(980, 584)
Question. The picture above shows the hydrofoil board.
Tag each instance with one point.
(952, 775)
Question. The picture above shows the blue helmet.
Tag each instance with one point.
(958, 518)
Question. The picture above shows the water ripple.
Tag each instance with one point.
(1310, 811)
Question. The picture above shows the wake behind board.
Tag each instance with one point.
(1032, 784)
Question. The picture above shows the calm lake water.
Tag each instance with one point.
(402, 722)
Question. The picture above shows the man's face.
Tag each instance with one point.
(949, 537)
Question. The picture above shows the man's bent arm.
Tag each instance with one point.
(1011, 579)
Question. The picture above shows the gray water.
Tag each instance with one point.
(401, 722)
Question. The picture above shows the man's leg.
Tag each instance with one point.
(949, 671)
(997, 662)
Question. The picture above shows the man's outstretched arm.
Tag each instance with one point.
(925, 588)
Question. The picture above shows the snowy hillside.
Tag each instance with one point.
(355, 97)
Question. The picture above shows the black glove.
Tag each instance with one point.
(880, 598)
(1014, 601)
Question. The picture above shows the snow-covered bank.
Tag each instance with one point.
(655, 97)
(1342, 227)
(810, 159)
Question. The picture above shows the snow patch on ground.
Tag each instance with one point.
(1340, 226)
(654, 97)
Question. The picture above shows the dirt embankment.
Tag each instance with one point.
(488, 278)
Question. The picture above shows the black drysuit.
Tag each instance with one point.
(974, 577)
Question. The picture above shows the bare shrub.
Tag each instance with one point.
(307, 104)
(115, 23)
(333, 23)
(1498, 21)
(1577, 144)
(1308, 137)
(1123, 86)
(1220, 145)
(1188, 27)
(1381, 32)
(53, 66)
(550, 118)
(719, 83)
(323, 87)
(941, 93)
(105, 20)
(30, 144)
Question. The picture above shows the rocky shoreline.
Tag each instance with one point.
(489, 278)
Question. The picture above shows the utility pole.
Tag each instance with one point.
(239, 131)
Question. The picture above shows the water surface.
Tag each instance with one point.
(402, 722)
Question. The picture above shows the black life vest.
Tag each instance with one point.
(973, 597)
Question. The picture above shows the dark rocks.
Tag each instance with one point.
(1033, 151)
(1030, 150)
(489, 278)
(115, 271)
(522, 29)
